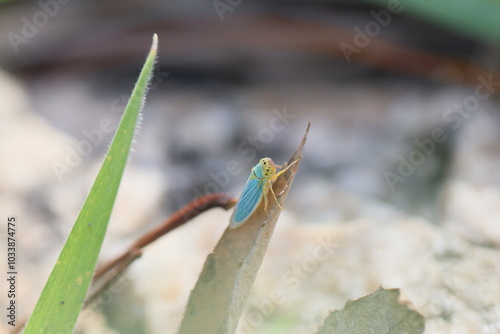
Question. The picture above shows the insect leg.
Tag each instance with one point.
(272, 191)
(284, 170)
(265, 198)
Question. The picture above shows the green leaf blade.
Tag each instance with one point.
(379, 312)
(62, 298)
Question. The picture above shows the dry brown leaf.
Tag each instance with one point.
(216, 303)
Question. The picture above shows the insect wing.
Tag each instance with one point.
(248, 202)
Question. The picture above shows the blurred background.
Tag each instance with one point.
(403, 97)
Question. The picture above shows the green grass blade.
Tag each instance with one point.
(63, 295)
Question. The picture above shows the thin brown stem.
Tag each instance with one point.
(180, 217)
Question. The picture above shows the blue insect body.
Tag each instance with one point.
(256, 189)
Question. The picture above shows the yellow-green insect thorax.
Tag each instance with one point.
(268, 168)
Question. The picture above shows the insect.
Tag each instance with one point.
(259, 184)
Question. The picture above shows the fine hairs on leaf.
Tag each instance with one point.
(216, 303)
(64, 293)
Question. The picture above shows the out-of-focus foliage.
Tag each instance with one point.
(475, 18)
(379, 312)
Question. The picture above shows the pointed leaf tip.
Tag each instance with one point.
(79, 255)
(154, 44)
